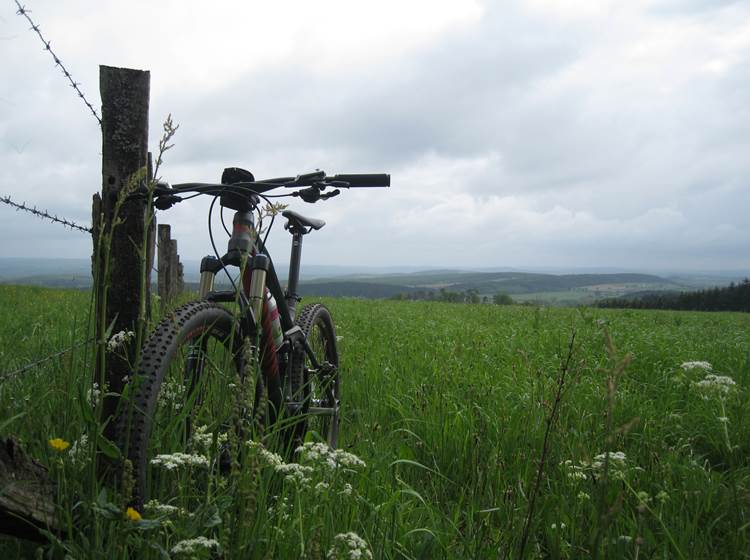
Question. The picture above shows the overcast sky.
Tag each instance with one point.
(565, 133)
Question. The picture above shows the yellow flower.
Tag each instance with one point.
(133, 514)
(59, 444)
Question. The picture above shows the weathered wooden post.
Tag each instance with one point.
(170, 282)
(125, 103)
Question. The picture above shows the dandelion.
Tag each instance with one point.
(176, 460)
(59, 444)
(132, 514)
(705, 366)
(119, 339)
(349, 545)
(191, 546)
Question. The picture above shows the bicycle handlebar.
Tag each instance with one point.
(363, 180)
(167, 195)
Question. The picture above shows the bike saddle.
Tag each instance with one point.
(301, 222)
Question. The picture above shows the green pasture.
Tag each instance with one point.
(484, 431)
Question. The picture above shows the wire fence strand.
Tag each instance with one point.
(10, 374)
(24, 11)
(45, 215)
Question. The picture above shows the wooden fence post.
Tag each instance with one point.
(170, 283)
(125, 102)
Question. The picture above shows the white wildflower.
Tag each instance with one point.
(555, 526)
(662, 496)
(119, 339)
(79, 451)
(94, 395)
(583, 496)
(625, 539)
(203, 439)
(331, 459)
(172, 395)
(298, 474)
(154, 507)
(270, 458)
(705, 366)
(643, 497)
(349, 545)
(347, 490)
(191, 546)
(723, 419)
(617, 460)
(715, 386)
(176, 460)
(322, 487)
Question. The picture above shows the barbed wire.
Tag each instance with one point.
(23, 11)
(32, 365)
(44, 214)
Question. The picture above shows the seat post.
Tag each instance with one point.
(294, 263)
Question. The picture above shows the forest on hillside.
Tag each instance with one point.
(735, 297)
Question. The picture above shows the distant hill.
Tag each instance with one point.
(489, 283)
(386, 282)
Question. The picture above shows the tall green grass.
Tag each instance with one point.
(448, 407)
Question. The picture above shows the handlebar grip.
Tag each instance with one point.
(364, 179)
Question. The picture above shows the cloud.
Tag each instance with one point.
(527, 133)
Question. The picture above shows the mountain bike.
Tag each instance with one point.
(240, 360)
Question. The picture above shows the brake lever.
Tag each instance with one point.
(330, 194)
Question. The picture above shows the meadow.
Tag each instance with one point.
(469, 431)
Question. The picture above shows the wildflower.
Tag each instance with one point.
(723, 419)
(79, 452)
(161, 509)
(349, 545)
(347, 491)
(133, 514)
(331, 459)
(94, 395)
(172, 394)
(297, 474)
(119, 339)
(270, 458)
(705, 366)
(643, 497)
(203, 439)
(662, 496)
(625, 539)
(191, 546)
(715, 386)
(59, 444)
(583, 496)
(176, 460)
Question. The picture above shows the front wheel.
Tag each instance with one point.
(314, 377)
(192, 382)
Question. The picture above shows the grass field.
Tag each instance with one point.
(452, 408)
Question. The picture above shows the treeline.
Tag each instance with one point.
(448, 296)
(735, 297)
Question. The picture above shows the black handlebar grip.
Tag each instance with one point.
(365, 179)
